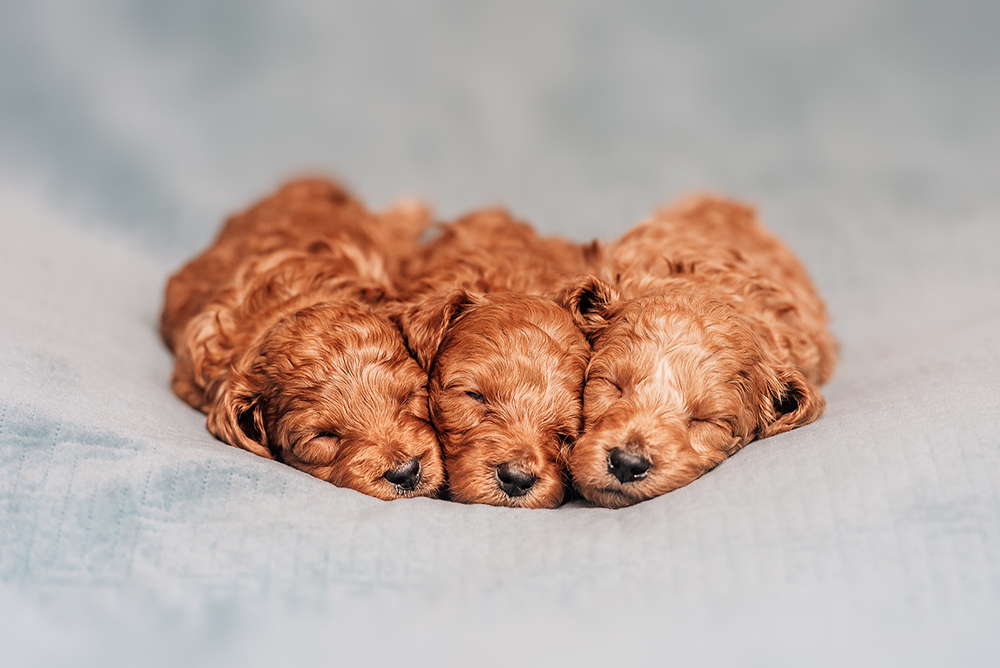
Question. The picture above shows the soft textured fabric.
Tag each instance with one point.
(865, 132)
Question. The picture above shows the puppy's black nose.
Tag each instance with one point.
(514, 481)
(626, 466)
(405, 476)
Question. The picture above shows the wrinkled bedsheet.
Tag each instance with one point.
(865, 133)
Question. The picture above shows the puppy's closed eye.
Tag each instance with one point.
(475, 396)
(320, 449)
(712, 420)
(703, 426)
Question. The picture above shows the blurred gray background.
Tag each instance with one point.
(867, 133)
(580, 116)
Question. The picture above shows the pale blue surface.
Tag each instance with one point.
(866, 132)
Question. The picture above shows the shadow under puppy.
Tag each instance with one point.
(506, 363)
(278, 339)
(707, 335)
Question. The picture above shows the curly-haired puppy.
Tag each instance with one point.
(277, 340)
(506, 363)
(708, 336)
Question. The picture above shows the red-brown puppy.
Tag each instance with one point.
(506, 363)
(277, 340)
(706, 335)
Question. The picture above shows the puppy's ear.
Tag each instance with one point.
(203, 352)
(237, 416)
(587, 300)
(424, 323)
(794, 402)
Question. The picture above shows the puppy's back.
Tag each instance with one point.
(309, 214)
(490, 251)
(720, 247)
(708, 231)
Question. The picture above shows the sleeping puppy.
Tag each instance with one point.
(278, 338)
(706, 335)
(506, 363)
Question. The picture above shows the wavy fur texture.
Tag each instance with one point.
(278, 337)
(706, 333)
(322, 335)
(506, 363)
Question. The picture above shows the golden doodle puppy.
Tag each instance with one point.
(506, 363)
(278, 337)
(706, 335)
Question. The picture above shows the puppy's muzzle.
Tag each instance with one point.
(627, 466)
(514, 481)
(405, 476)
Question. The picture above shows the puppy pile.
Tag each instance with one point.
(491, 365)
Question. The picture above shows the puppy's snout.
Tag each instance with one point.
(405, 476)
(626, 466)
(514, 481)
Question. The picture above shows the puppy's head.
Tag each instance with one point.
(676, 383)
(331, 390)
(506, 376)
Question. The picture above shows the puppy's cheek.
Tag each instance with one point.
(362, 476)
(432, 477)
(588, 460)
(553, 477)
(677, 466)
(470, 478)
(455, 422)
(550, 490)
(463, 441)
(596, 406)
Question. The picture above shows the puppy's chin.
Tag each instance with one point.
(608, 498)
(472, 480)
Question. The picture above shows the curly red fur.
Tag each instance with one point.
(506, 363)
(279, 339)
(706, 333)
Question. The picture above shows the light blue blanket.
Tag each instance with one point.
(867, 134)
